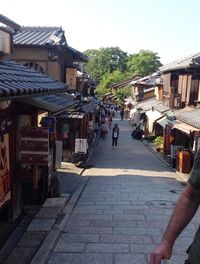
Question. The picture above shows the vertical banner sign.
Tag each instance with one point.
(71, 78)
(81, 146)
(5, 193)
(34, 146)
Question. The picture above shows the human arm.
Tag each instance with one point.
(183, 212)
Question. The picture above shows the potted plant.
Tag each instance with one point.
(158, 141)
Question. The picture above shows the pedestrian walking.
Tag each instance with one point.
(115, 135)
(110, 121)
(122, 113)
(182, 214)
(104, 130)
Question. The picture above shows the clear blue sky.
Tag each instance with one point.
(168, 27)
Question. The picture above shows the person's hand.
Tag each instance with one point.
(162, 251)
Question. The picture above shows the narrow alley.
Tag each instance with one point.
(123, 209)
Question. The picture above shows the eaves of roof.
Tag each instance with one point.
(77, 54)
(122, 83)
(8, 22)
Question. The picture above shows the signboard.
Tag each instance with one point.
(5, 193)
(48, 122)
(5, 42)
(71, 78)
(34, 148)
(81, 146)
(58, 159)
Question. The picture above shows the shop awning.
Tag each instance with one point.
(164, 121)
(183, 127)
(148, 104)
(50, 102)
(89, 107)
(176, 124)
(71, 115)
(153, 115)
(75, 115)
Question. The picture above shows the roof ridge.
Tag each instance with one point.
(41, 28)
(183, 59)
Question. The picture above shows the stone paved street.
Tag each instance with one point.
(123, 210)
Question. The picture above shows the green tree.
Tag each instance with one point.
(104, 61)
(122, 94)
(143, 63)
(109, 78)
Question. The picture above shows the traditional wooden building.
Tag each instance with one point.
(26, 160)
(181, 94)
(46, 50)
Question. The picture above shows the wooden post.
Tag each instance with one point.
(35, 176)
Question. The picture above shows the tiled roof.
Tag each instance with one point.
(89, 107)
(46, 37)
(148, 104)
(191, 118)
(161, 108)
(16, 80)
(186, 62)
(40, 36)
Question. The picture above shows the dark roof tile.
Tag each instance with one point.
(46, 37)
(40, 36)
(16, 80)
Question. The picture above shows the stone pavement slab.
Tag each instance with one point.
(40, 224)
(83, 258)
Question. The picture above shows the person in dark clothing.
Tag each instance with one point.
(115, 135)
(122, 113)
(137, 133)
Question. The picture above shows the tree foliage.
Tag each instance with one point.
(122, 94)
(111, 65)
(105, 61)
(107, 79)
(143, 63)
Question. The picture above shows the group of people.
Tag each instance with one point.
(106, 125)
